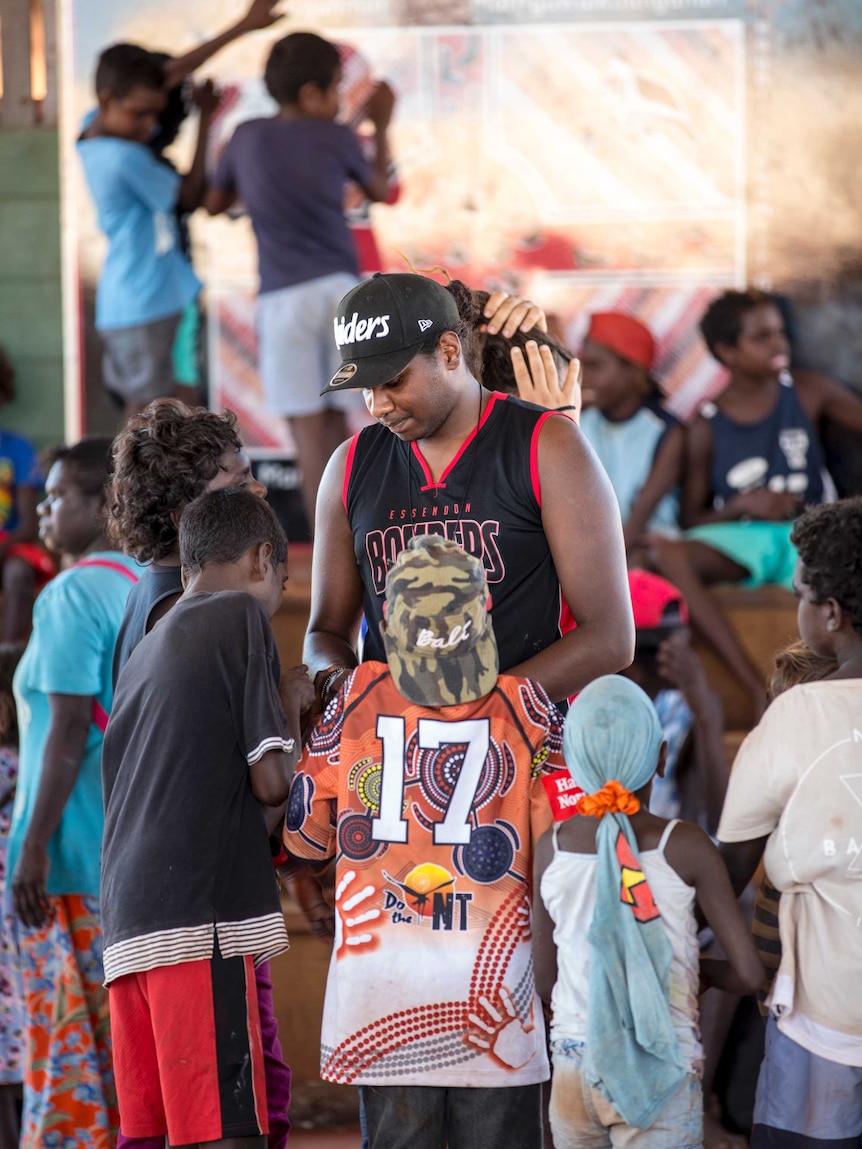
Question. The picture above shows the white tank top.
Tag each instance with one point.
(568, 889)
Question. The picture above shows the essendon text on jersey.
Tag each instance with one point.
(479, 539)
(356, 330)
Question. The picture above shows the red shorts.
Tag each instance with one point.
(188, 1057)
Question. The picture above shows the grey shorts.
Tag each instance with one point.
(803, 1100)
(298, 355)
(582, 1118)
(137, 363)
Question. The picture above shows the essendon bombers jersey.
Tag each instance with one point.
(488, 500)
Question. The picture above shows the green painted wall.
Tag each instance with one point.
(31, 322)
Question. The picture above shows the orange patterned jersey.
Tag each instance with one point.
(432, 815)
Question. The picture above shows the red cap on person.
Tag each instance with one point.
(624, 335)
(656, 602)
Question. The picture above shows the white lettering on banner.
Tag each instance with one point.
(356, 330)
(458, 634)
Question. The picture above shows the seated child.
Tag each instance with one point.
(640, 445)
(753, 462)
(424, 780)
(197, 763)
(615, 937)
(146, 282)
(26, 565)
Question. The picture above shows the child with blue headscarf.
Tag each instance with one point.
(615, 938)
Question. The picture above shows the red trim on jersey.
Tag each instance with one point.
(348, 468)
(534, 455)
(108, 564)
(430, 485)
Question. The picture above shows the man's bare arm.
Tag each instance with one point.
(581, 520)
(260, 14)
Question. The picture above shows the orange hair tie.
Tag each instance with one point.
(613, 798)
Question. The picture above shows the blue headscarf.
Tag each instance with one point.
(612, 733)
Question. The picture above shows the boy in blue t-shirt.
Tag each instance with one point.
(290, 171)
(146, 281)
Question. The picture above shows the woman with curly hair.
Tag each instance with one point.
(163, 459)
(795, 796)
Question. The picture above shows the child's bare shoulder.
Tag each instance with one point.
(691, 852)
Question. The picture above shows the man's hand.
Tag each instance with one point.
(29, 886)
(507, 313)
(261, 14)
(768, 506)
(207, 98)
(538, 381)
(679, 665)
(318, 913)
(380, 106)
(296, 691)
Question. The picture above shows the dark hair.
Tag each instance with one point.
(222, 525)
(464, 328)
(829, 542)
(179, 105)
(123, 67)
(8, 389)
(722, 320)
(495, 351)
(89, 463)
(10, 656)
(300, 58)
(163, 459)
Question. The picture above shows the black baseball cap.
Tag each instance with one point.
(381, 324)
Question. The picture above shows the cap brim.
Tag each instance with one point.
(371, 371)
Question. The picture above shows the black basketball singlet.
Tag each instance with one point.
(488, 500)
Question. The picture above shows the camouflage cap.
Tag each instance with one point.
(439, 638)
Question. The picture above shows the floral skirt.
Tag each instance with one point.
(69, 1095)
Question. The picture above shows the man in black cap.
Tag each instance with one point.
(513, 484)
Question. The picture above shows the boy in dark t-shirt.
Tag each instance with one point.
(196, 767)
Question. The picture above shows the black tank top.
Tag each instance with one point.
(780, 452)
(488, 500)
(154, 585)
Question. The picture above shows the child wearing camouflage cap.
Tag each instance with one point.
(423, 779)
